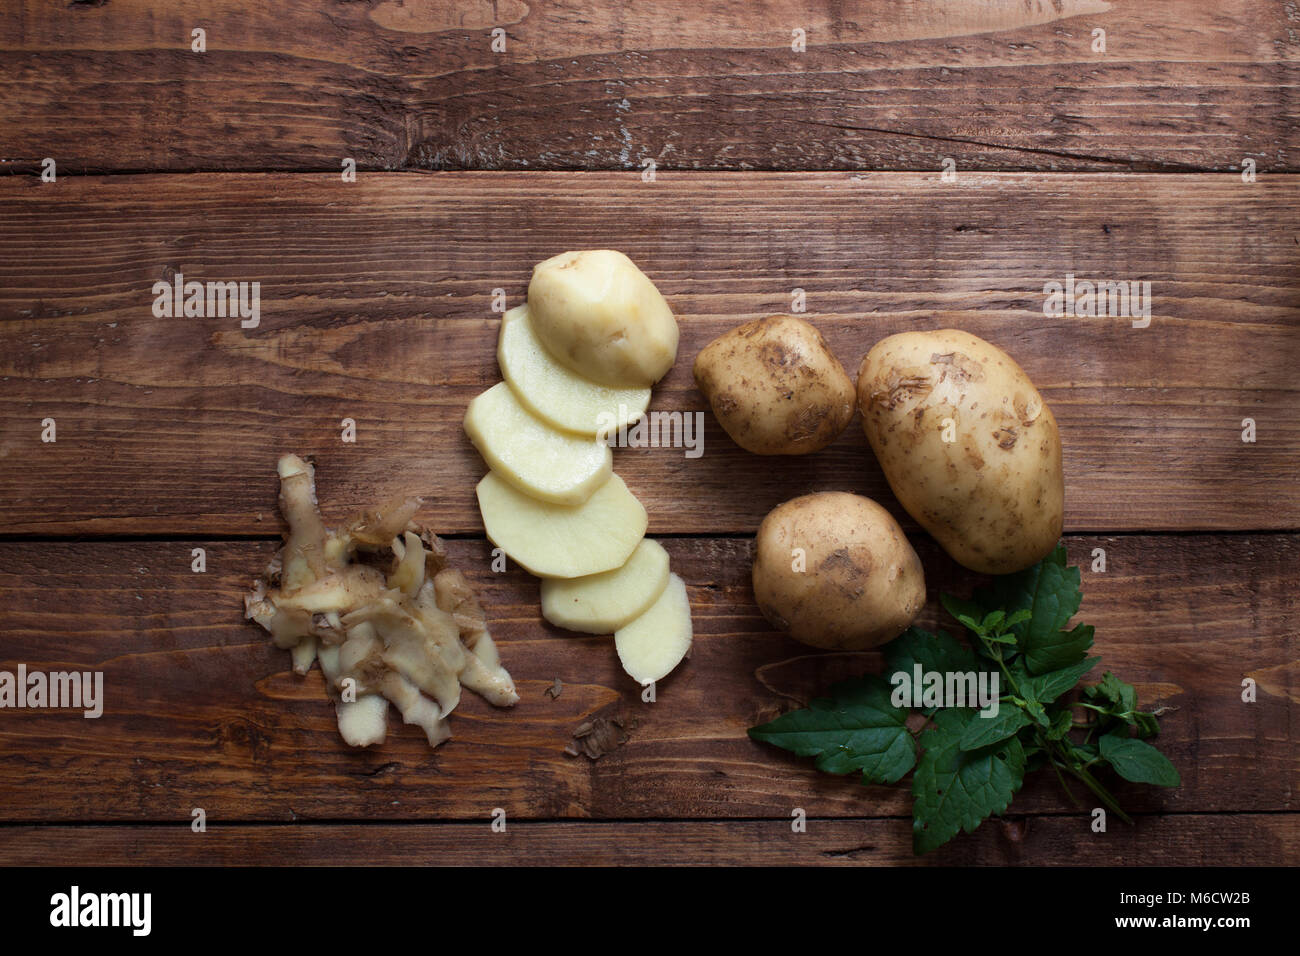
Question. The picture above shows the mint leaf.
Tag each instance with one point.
(1136, 760)
(1062, 721)
(1119, 702)
(968, 612)
(1056, 649)
(1045, 688)
(1112, 689)
(855, 729)
(1009, 639)
(1146, 724)
(1085, 753)
(955, 789)
(1019, 617)
(934, 652)
(1041, 600)
(983, 731)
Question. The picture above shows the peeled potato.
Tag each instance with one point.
(555, 394)
(601, 317)
(652, 645)
(602, 603)
(563, 541)
(539, 460)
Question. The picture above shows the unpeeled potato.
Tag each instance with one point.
(834, 570)
(968, 446)
(775, 387)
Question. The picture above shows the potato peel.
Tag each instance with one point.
(411, 635)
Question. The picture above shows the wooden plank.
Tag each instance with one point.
(376, 305)
(885, 85)
(200, 710)
(1175, 840)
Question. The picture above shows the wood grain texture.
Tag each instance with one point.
(201, 711)
(883, 84)
(376, 305)
(1178, 840)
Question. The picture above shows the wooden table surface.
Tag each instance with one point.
(774, 170)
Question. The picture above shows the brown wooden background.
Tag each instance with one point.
(775, 170)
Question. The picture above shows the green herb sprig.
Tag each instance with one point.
(966, 767)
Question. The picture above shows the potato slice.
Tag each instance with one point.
(602, 603)
(555, 394)
(563, 541)
(652, 645)
(539, 460)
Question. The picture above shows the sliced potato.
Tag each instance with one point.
(535, 457)
(602, 603)
(563, 541)
(555, 394)
(652, 645)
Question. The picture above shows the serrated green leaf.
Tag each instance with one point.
(855, 729)
(968, 612)
(1019, 617)
(1085, 753)
(1045, 688)
(1008, 639)
(1146, 724)
(983, 731)
(1057, 649)
(1113, 689)
(1041, 599)
(1137, 760)
(955, 789)
(939, 652)
(1062, 721)
(1120, 701)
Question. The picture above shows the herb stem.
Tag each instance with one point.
(1080, 771)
